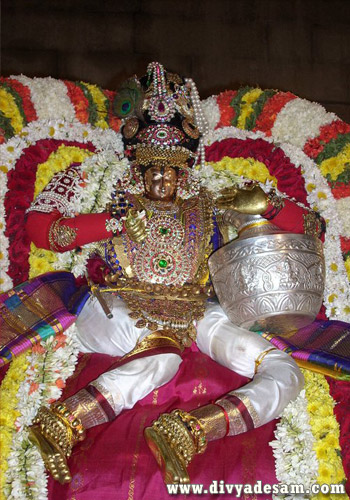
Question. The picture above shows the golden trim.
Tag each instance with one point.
(160, 338)
(320, 369)
(248, 404)
(213, 421)
(261, 357)
(253, 225)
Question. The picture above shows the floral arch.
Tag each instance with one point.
(273, 137)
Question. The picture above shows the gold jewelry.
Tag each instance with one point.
(312, 224)
(60, 425)
(136, 225)
(178, 436)
(196, 429)
(190, 129)
(174, 439)
(130, 128)
(276, 202)
(261, 357)
(55, 431)
(61, 236)
(114, 225)
(152, 155)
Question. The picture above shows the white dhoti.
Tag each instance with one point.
(277, 381)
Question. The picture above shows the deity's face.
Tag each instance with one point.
(160, 183)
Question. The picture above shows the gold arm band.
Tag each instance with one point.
(61, 236)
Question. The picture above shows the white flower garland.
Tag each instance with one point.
(343, 209)
(300, 120)
(49, 97)
(295, 459)
(211, 111)
(26, 476)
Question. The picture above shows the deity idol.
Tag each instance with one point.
(155, 239)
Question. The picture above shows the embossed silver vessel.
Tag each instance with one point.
(268, 279)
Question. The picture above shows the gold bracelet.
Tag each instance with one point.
(184, 433)
(196, 429)
(61, 236)
(177, 435)
(261, 357)
(61, 426)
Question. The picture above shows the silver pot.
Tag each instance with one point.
(268, 279)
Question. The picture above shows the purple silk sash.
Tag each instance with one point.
(37, 309)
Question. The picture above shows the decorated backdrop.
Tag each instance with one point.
(272, 137)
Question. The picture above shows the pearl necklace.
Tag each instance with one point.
(201, 121)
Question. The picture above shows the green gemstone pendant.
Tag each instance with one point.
(163, 230)
(162, 263)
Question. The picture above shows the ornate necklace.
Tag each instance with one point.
(160, 206)
(161, 257)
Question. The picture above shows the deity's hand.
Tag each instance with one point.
(250, 200)
(136, 225)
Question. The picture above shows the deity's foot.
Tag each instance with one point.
(173, 469)
(54, 459)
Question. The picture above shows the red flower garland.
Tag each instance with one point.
(79, 101)
(314, 147)
(273, 106)
(113, 120)
(340, 190)
(344, 244)
(227, 113)
(21, 183)
(24, 92)
(289, 179)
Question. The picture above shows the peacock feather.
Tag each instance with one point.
(129, 99)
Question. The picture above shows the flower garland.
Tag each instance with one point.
(248, 168)
(234, 142)
(293, 448)
(9, 412)
(11, 111)
(227, 112)
(311, 116)
(271, 109)
(320, 197)
(306, 448)
(340, 392)
(48, 98)
(327, 133)
(325, 430)
(42, 91)
(21, 96)
(45, 371)
(21, 183)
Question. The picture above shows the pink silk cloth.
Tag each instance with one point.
(115, 463)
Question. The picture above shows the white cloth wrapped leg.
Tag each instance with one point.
(123, 386)
(278, 379)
